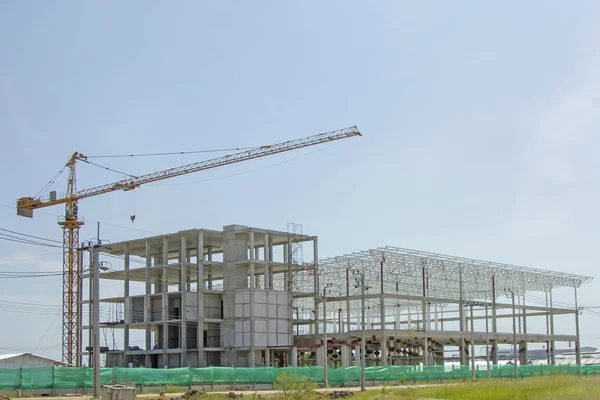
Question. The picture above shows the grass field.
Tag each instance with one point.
(544, 388)
(557, 387)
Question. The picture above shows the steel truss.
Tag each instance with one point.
(416, 273)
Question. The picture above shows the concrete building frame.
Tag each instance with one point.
(245, 295)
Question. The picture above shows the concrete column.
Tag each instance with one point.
(267, 357)
(126, 300)
(200, 299)
(165, 301)
(552, 343)
(270, 259)
(435, 311)
(316, 284)
(183, 284)
(165, 329)
(288, 284)
(268, 251)
(320, 359)
(147, 302)
(383, 337)
(210, 268)
(252, 355)
(345, 353)
(294, 356)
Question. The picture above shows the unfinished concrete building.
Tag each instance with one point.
(208, 298)
(247, 297)
(426, 309)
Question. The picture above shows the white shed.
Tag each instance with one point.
(26, 360)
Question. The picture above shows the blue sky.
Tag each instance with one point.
(480, 126)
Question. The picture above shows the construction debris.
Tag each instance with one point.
(339, 394)
(190, 394)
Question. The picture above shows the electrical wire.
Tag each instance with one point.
(10, 238)
(18, 276)
(46, 333)
(30, 236)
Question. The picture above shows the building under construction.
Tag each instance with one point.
(254, 297)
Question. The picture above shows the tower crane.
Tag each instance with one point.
(71, 222)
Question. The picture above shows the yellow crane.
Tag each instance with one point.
(71, 221)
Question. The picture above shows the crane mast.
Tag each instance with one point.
(71, 223)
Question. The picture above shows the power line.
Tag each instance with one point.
(26, 241)
(4, 275)
(31, 236)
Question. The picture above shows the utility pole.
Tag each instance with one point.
(473, 372)
(359, 278)
(577, 345)
(96, 319)
(93, 246)
(511, 294)
(96, 309)
(487, 344)
(326, 290)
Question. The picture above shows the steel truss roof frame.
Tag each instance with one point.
(406, 271)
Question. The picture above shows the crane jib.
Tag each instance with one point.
(25, 205)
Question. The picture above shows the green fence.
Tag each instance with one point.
(70, 378)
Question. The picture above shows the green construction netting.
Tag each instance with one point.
(67, 378)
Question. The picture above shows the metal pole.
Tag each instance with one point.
(363, 345)
(325, 337)
(514, 334)
(347, 299)
(577, 349)
(547, 329)
(552, 343)
(473, 374)
(96, 322)
(487, 344)
(90, 308)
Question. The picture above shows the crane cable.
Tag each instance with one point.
(173, 153)
(109, 169)
(55, 177)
